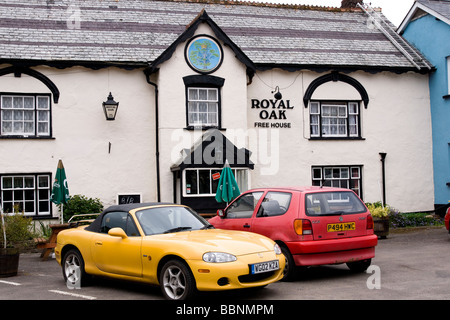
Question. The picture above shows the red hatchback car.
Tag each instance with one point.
(447, 220)
(312, 225)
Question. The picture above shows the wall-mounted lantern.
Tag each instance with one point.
(110, 107)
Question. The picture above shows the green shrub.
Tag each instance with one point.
(378, 211)
(19, 232)
(79, 204)
(404, 220)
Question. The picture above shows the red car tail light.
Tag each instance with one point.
(302, 227)
(369, 224)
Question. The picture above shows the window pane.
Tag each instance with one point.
(212, 94)
(29, 182)
(244, 206)
(314, 108)
(317, 174)
(7, 115)
(6, 102)
(193, 107)
(17, 102)
(203, 94)
(193, 94)
(274, 204)
(7, 182)
(191, 181)
(204, 181)
(215, 181)
(42, 127)
(203, 107)
(28, 103)
(43, 103)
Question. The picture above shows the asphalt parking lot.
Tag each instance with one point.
(411, 265)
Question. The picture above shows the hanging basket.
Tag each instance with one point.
(9, 262)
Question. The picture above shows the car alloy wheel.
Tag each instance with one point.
(177, 281)
(73, 269)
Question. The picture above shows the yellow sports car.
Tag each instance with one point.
(168, 245)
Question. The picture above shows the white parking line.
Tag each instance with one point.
(73, 294)
(10, 282)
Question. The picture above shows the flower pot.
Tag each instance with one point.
(9, 262)
(381, 227)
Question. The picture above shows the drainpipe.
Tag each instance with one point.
(158, 183)
(383, 173)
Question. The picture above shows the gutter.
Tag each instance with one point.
(158, 177)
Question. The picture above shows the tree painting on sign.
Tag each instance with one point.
(204, 54)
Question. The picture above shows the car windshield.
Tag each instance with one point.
(333, 203)
(169, 219)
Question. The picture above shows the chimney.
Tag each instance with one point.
(350, 3)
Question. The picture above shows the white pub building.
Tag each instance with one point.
(145, 101)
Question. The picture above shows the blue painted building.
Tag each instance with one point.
(427, 26)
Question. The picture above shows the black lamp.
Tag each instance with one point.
(110, 107)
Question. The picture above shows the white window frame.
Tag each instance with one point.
(348, 177)
(26, 194)
(209, 115)
(19, 118)
(241, 176)
(334, 119)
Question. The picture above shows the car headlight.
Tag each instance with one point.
(218, 257)
(277, 249)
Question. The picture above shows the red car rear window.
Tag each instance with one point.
(333, 203)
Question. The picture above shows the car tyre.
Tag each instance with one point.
(289, 271)
(359, 266)
(177, 281)
(73, 269)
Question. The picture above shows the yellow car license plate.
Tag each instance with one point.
(333, 227)
(264, 267)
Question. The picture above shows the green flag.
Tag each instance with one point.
(60, 191)
(227, 189)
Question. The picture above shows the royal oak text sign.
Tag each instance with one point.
(272, 109)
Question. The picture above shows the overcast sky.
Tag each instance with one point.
(394, 10)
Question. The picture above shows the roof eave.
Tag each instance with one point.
(419, 6)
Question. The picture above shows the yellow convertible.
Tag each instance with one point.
(167, 245)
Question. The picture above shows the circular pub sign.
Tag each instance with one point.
(203, 54)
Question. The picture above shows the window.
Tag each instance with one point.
(203, 101)
(119, 219)
(274, 204)
(339, 177)
(203, 107)
(334, 119)
(25, 115)
(329, 203)
(204, 182)
(27, 193)
(244, 206)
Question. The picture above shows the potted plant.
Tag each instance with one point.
(380, 215)
(17, 236)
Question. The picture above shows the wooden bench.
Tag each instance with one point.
(50, 244)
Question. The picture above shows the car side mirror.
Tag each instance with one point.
(221, 213)
(117, 232)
